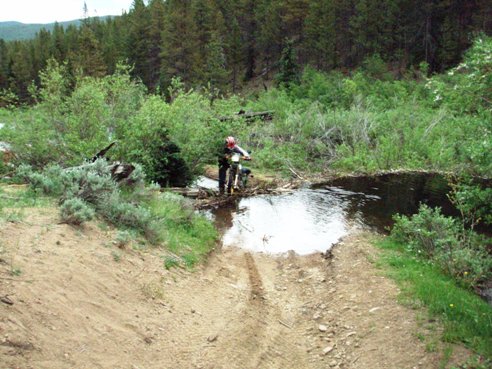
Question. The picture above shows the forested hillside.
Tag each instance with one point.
(228, 43)
(11, 31)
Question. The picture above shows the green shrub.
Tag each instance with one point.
(48, 182)
(467, 87)
(76, 211)
(146, 140)
(123, 238)
(459, 252)
(468, 265)
(473, 201)
(90, 182)
(4, 167)
(426, 232)
(375, 67)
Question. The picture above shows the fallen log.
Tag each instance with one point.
(194, 193)
(249, 116)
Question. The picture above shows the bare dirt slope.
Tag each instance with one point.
(80, 302)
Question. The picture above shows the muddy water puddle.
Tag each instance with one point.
(312, 220)
(305, 221)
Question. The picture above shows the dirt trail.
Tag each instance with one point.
(80, 302)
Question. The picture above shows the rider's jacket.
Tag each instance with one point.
(227, 151)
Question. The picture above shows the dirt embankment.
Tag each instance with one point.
(80, 302)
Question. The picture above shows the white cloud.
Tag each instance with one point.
(47, 11)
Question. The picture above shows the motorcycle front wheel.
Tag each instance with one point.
(230, 181)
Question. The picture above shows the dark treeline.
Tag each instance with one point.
(226, 43)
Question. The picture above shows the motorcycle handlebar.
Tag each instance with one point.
(248, 158)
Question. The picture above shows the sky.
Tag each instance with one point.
(48, 11)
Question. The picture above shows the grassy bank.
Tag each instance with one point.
(466, 318)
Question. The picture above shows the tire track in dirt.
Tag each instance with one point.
(241, 343)
(255, 282)
(243, 318)
(277, 348)
(226, 330)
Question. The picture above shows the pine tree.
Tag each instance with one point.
(371, 28)
(21, 70)
(179, 54)
(320, 34)
(157, 18)
(89, 57)
(139, 40)
(455, 28)
(216, 72)
(57, 48)
(344, 10)
(204, 26)
(481, 16)
(192, 38)
(41, 50)
(109, 45)
(234, 53)
(269, 37)
(293, 13)
(288, 66)
(246, 16)
(4, 65)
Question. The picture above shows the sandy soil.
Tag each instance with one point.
(81, 302)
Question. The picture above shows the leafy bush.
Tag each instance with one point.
(68, 128)
(48, 183)
(473, 201)
(125, 214)
(76, 211)
(375, 67)
(147, 142)
(91, 182)
(368, 122)
(459, 252)
(473, 75)
(426, 232)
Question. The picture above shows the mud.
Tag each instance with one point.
(75, 305)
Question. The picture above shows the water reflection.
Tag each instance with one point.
(311, 220)
(305, 221)
(373, 201)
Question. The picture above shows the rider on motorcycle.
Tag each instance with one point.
(229, 148)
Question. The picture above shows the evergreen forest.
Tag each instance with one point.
(228, 44)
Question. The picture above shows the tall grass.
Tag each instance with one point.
(185, 233)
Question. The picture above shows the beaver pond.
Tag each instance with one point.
(313, 219)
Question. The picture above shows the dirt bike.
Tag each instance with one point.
(238, 176)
